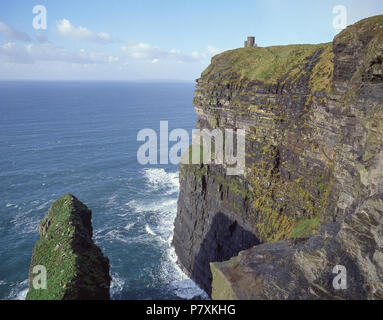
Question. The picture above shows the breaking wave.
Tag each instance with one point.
(160, 180)
(153, 225)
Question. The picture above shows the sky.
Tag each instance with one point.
(145, 40)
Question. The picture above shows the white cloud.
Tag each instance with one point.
(12, 34)
(10, 52)
(48, 52)
(66, 29)
(100, 57)
(41, 38)
(139, 50)
(212, 50)
(40, 56)
(145, 51)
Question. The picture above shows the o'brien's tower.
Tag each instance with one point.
(250, 42)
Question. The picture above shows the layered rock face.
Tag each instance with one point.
(75, 267)
(208, 226)
(311, 197)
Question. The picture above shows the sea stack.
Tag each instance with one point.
(76, 268)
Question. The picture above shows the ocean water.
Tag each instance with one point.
(80, 137)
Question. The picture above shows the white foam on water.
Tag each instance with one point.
(112, 201)
(119, 234)
(149, 231)
(181, 284)
(11, 205)
(25, 222)
(161, 206)
(129, 226)
(44, 205)
(166, 210)
(115, 235)
(117, 284)
(166, 220)
(122, 214)
(19, 291)
(22, 294)
(159, 179)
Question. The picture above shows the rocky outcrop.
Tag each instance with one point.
(207, 227)
(304, 268)
(311, 197)
(75, 267)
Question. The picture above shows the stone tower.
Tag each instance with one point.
(250, 42)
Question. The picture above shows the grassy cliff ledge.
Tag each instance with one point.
(76, 268)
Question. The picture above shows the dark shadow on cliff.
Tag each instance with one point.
(225, 239)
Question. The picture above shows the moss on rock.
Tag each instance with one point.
(76, 268)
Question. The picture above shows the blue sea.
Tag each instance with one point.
(81, 138)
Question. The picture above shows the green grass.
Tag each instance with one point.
(371, 25)
(268, 65)
(59, 262)
(370, 31)
(279, 64)
(305, 227)
(322, 74)
(74, 264)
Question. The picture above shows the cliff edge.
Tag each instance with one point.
(75, 267)
(312, 194)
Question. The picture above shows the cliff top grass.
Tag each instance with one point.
(367, 35)
(372, 26)
(269, 65)
(280, 64)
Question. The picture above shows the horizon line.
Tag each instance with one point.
(92, 80)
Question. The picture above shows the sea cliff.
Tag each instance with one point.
(311, 197)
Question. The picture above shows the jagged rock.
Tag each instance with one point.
(76, 268)
(312, 193)
(303, 268)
